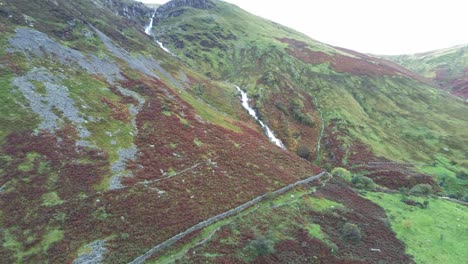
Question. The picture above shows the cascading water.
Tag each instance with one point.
(148, 32)
(251, 111)
(150, 25)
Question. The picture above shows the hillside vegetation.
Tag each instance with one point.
(111, 146)
(448, 68)
(373, 110)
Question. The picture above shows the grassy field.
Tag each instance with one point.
(437, 234)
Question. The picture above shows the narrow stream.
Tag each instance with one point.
(148, 32)
(322, 129)
(150, 25)
(269, 133)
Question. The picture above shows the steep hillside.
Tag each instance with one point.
(124, 146)
(346, 108)
(448, 68)
(105, 148)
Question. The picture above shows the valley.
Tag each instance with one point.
(196, 132)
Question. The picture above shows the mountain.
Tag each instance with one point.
(370, 110)
(121, 147)
(448, 68)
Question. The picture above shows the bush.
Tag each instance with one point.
(303, 152)
(297, 111)
(423, 189)
(462, 175)
(465, 198)
(351, 232)
(363, 182)
(342, 173)
(261, 247)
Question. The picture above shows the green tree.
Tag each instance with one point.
(363, 182)
(342, 173)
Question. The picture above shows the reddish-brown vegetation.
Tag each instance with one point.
(231, 241)
(293, 133)
(457, 84)
(369, 217)
(119, 111)
(360, 64)
(171, 138)
(396, 179)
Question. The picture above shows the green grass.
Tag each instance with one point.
(107, 133)
(51, 236)
(445, 172)
(323, 205)
(13, 118)
(51, 199)
(210, 114)
(197, 142)
(452, 61)
(438, 234)
(28, 164)
(278, 224)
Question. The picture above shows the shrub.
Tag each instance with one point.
(363, 182)
(465, 198)
(303, 152)
(422, 189)
(342, 173)
(351, 232)
(261, 247)
(297, 111)
(462, 175)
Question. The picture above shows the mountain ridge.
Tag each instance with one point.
(447, 68)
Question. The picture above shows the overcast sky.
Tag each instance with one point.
(370, 26)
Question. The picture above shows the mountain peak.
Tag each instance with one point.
(199, 4)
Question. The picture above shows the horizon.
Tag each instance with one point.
(422, 26)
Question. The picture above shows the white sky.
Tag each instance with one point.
(370, 26)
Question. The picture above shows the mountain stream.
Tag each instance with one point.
(269, 133)
(148, 32)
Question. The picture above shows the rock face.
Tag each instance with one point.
(166, 9)
(135, 11)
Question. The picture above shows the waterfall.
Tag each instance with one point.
(150, 25)
(269, 133)
(148, 32)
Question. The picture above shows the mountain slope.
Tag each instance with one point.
(104, 145)
(111, 145)
(373, 110)
(448, 67)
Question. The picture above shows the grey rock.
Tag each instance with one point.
(32, 42)
(95, 256)
(155, 66)
(183, 77)
(134, 63)
(56, 99)
(119, 167)
(125, 154)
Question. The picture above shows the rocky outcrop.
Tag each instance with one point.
(168, 9)
(135, 11)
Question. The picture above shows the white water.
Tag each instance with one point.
(148, 32)
(161, 45)
(251, 111)
(150, 25)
